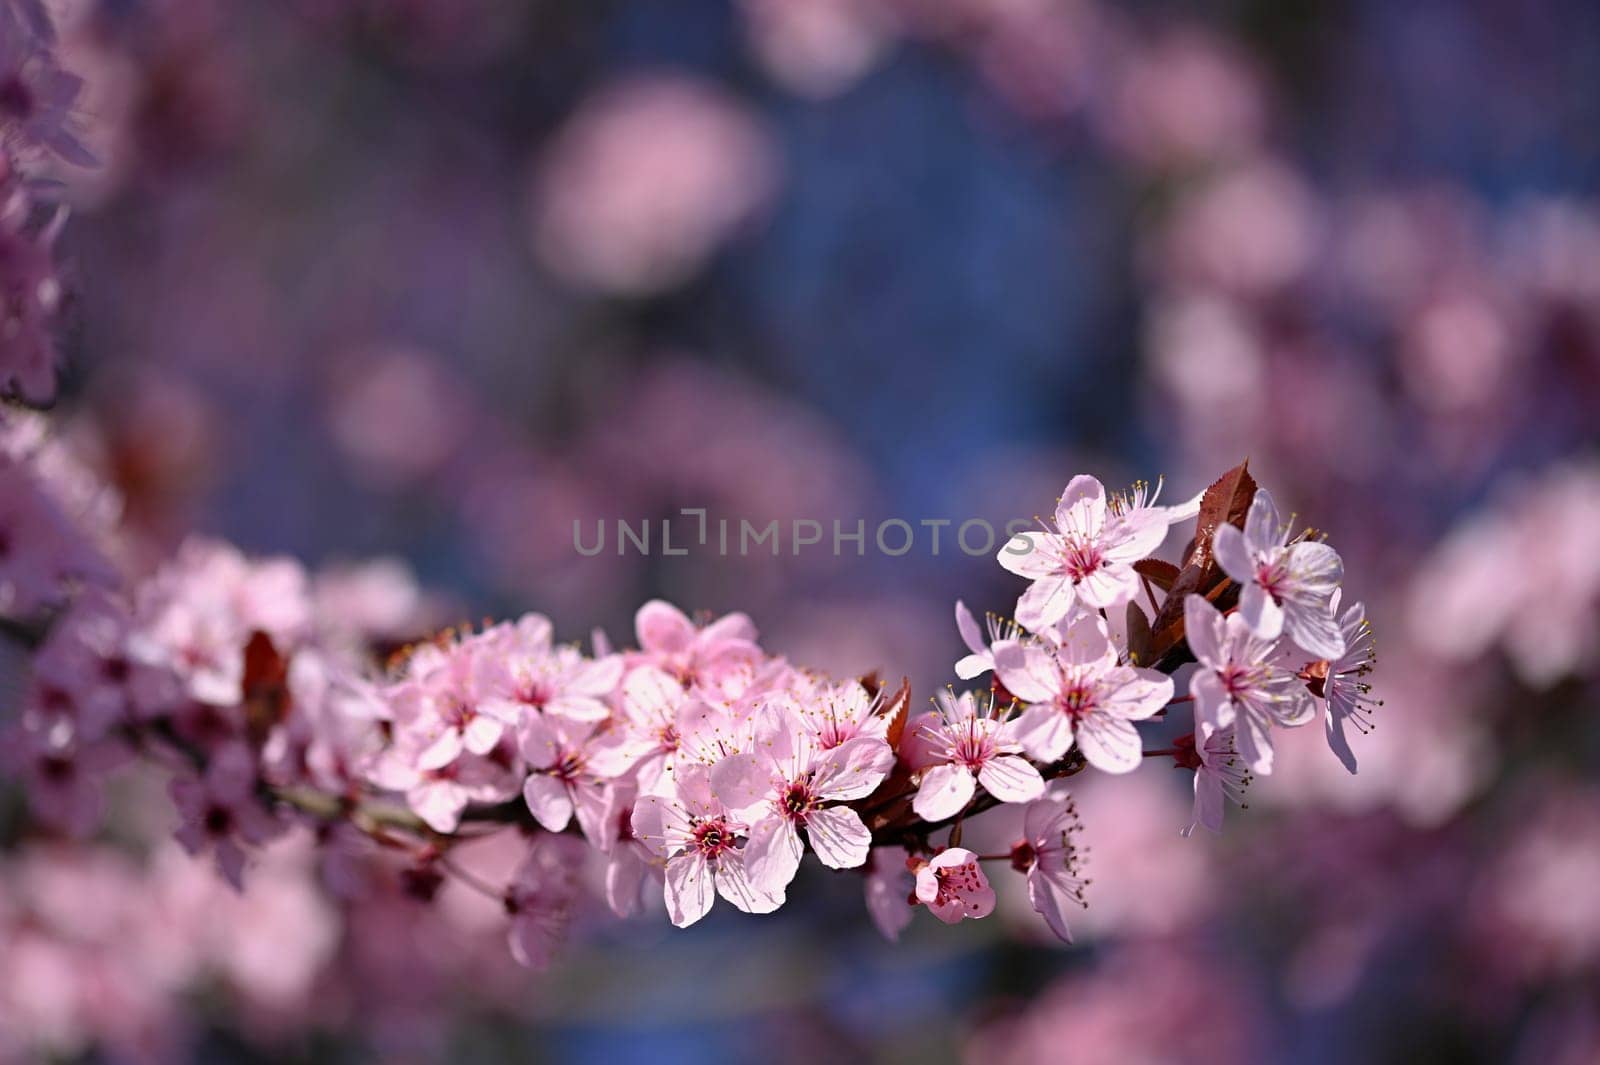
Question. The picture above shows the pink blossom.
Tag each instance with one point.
(195, 615)
(541, 897)
(699, 838)
(440, 706)
(835, 714)
(36, 95)
(645, 181)
(221, 811)
(1078, 693)
(628, 861)
(980, 657)
(970, 744)
(524, 671)
(1286, 587)
(1347, 697)
(1238, 683)
(1219, 775)
(439, 796)
(655, 712)
(785, 782)
(62, 775)
(953, 886)
(1050, 858)
(890, 890)
(563, 780)
(333, 734)
(83, 670)
(1087, 560)
(42, 553)
(695, 655)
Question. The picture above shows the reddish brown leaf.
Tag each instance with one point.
(895, 708)
(1227, 501)
(1140, 639)
(1158, 572)
(265, 686)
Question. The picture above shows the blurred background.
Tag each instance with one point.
(431, 281)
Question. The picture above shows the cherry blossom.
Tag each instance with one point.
(1238, 682)
(441, 708)
(222, 812)
(1346, 694)
(1287, 587)
(541, 897)
(655, 714)
(785, 782)
(970, 745)
(440, 795)
(700, 840)
(695, 655)
(953, 887)
(1079, 694)
(525, 671)
(562, 780)
(980, 657)
(1050, 858)
(1220, 775)
(42, 553)
(1087, 561)
(890, 889)
(834, 714)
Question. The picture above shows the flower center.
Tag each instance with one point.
(797, 800)
(569, 767)
(1239, 680)
(1272, 576)
(974, 745)
(1080, 558)
(713, 837)
(954, 882)
(667, 736)
(16, 99)
(536, 692)
(1077, 698)
(218, 820)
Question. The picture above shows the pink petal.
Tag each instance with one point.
(1031, 554)
(659, 823)
(742, 781)
(854, 769)
(1011, 779)
(1263, 529)
(1111, 744)
(1233, 554)
(735, 885)
(1046, 896)
(1044, 732)
(662, 628)
(772, 853)
(1026, 670)
(944, 792)
(1047, 600)
(1083, 505)
(1203, 630)
(688, 889)
(971, 634)
(1261, 612)
(839, 838)
(548, 799)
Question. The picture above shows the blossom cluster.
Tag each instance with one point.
(696, 763)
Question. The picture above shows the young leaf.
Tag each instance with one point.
(1226, 502)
